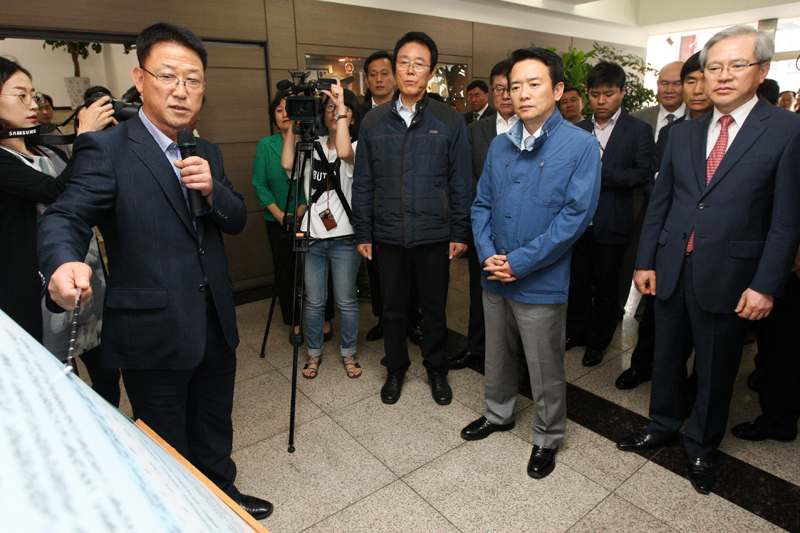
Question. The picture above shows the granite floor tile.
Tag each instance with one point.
(393, 509)
(587, 452)
(332, 389)
(601, 382)
(617, 515)
(468, 389)
(573, 364)
(670, 498)
(328, 472)
(249, 364)
(411, 432)
(483, 486)
(261, 408)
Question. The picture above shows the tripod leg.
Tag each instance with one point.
(276, 288)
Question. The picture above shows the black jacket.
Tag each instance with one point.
(412, 185)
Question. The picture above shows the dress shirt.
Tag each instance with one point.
(603, 133)
(739, 116)
(406, 113)
(524, 142)
(662, 117)
(503, 126)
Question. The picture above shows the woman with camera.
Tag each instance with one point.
(272, 185)
(32, 175)
(333, 243)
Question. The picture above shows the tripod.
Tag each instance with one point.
(301, 173)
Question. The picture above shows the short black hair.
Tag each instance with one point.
(500, 69)
(769, 91)
(276, 101)
(571, 88)
(96, 90)
(421, 38)
(132, 96)
(165, 32)
(548, 57)
(478, 84)
(50, 99)
(691, 65)
(606, 74)
(380, 54)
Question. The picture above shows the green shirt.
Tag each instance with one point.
(270, 180)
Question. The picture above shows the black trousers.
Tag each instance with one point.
(593, 311)
(476, 332)
(718, 339)
(427, 267)
(642, 355)
(191, 409)
(105, 381)
(375, 291)
(284, 275)
(779, 363)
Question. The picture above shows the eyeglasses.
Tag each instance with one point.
(330, 108)
(714, 71)
(418, 66)
(192, 85)
(499, 90)
(26, 97)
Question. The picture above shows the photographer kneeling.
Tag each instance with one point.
(333, 242)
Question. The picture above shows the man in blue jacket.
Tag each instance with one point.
(412, 188)
(537, 194)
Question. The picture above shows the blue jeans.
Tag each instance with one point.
(343, 259)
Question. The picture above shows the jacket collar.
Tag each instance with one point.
(421, 105)
(549, 127)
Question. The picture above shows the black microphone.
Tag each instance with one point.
(187, 145)
(283, 85)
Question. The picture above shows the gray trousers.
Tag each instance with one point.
(543, 331)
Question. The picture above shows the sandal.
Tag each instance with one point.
(350, 366)
(316, 361)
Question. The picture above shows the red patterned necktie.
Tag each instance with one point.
(713, 161)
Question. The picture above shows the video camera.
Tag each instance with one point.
(304, 105)
(122, 110)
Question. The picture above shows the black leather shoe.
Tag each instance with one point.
(464, 359)
(701, 474)
(754, 380)
(542, 462)
(390, 392)
(593, 357)
(751, 431)
(440, 390)
(642, 441)
(632, 378)
(326, 336)
(414, 332)
(482, 428)
(376, 333)
(571, 343)
(258, 508)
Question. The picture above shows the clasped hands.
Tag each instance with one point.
(499, 269)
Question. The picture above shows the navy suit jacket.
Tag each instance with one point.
(480, 133)
(155, 307)
(627, 164)
(746, 221)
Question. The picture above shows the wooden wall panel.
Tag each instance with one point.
(249, 255)
(282, 38)
(494, 43)
(242, 20)
(237, 106)
(221, 55)
(238, 158)
(374, 29)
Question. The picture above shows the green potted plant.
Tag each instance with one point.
(76, 85)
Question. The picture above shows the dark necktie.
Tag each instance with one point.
(477, 115)
(714, 159)
(670, 118)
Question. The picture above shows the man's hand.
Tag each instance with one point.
(796, 265)
(645, 281)
(196, 174)
(65, 282)
(498, 268)
(365, 250)
(457, 248)
(754, 306)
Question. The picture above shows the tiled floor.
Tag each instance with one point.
(362, 466)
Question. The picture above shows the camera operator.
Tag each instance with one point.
(329, 225)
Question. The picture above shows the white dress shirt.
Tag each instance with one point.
(503, 126)
(406, 113)
(603, 133)
(739, 115)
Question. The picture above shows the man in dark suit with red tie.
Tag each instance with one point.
(721, 233)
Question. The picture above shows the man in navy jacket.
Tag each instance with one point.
(720, 236)
(169, 318)
(537, 194)
(412, 188)
(626, 145)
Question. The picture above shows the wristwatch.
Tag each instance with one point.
(337, 116)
